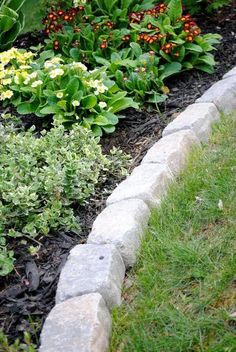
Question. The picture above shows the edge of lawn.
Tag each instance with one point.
(180, 294)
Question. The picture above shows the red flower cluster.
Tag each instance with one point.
(167, 48)
(110, 24)
(104, 44)
(190, 27)
(126, 38)
(137, 17)
(150, 38)
(55, 19)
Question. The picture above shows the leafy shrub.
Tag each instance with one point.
(11, 22)
(42, 178)
(161, 31)
(69, 92)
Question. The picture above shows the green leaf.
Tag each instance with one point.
(175, 10)
(16, 4)
(109, 129)
(101, 60)
(48, 110)
(73, 86)
(119, 77)
(75, 54)
(136, 49)
(193, 47)
(206, 59)
(45, 55)
(62, 104)
(170, 69)
(157, 98)
(205, 68)
(100, 120)
(165, 56)
(97, 131)
(122, 104)
(111, 118)
(89, 101)
(25, 108)
(6, 23)
(187, 65)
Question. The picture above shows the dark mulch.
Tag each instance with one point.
(27, 295)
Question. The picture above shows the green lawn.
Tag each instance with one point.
(183, 288)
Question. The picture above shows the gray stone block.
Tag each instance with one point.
(230, 73)
(196, 117)
(147, 182)
(92, 268)
(172, 150)
(81, 324)
(222, 94)
(122, 224)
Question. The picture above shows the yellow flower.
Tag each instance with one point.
(102, 104)
(79, 65)
(75, 103)
(59, 95)
(6, 81)
(56, 72)
(4, 59)
(36, 83)
(6, 95)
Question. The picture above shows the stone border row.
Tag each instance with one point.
(91, 281)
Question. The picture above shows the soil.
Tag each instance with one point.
(27, 295)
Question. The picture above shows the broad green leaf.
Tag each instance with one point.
(73, 86)
(193, 47)
(101, 60)
(101, 120)
(48, 110)
(75, 54)
(97, 131)
(174, 9)
(112, 118)
(89, 101)
(6, 23)
(15, 4)
(206, 59)
(136, 49)
(170, 69)
(205, 68)
(109, 128)
(122, 104)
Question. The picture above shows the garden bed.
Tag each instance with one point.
(27, 295)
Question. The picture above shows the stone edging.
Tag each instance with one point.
(91, 281)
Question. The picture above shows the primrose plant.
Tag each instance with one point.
(68, 91)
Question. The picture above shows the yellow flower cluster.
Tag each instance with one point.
(98, 86)
(17, 69)
(15, 54)
(14, 64)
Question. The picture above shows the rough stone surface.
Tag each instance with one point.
(92, 268)
(230, 73)
(147, 182)
(222, 94)
(196, 117)
(172, 150)
(81, 324)
(122, 224)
